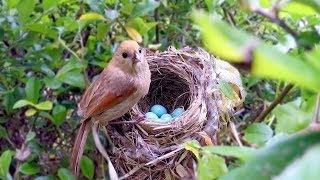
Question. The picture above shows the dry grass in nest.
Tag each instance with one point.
(150, 150)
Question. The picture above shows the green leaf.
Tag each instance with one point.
(284, 67)
(87, 167)
(144, 7)
(73, 78)
(271, 160)
(47, 4)
(3, 132)
(304, 9)
(32, 89)
(140, 25)
(46, 105)
(220, 38)
(127, 8)
(102, 29)
(286, 122)
(211, 166)
(30, 112)
(210, 4)
(25, 9)
(31, 135)
(71, 74)
(306, 167)
(52, 83)
(46, 115)
(242, 153)
(59, 113)
(277, 138)
(313, 58)
(5, 161)
(8, 101)
(193, 146)
(65, 174)
(91, 16)
(22, 103)
(13, 3)
(227, 89)
(224, 41)
(257, 133)
(312, 4)
(71, 65)
(29, 168)
(43, 28)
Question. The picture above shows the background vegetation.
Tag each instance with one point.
(50, 50)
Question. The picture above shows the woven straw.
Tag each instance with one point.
(185, 77)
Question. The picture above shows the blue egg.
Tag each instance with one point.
(158, 110)
(166, 118)
(151, 115)
(177, 112)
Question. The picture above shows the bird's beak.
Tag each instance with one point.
(137, 57)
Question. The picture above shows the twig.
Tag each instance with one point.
(135, 169)
(83, 41)
(164, 156)
(277, 101)
(272, 15)
(229, 16)
(70, 50)
(315, 118)
(16, 175)
(112, 172)
(87, 82)
(235, 133)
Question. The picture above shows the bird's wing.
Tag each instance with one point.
(108, 90)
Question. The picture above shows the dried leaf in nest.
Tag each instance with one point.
(187, 77)
(231, 90)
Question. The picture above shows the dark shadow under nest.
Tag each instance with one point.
(150, 150)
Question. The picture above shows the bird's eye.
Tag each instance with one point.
(124, 55)
(140, 50)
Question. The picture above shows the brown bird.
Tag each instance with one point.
(118, 88)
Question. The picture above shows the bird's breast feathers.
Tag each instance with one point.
(111, 95)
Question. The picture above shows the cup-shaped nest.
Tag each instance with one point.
(148, 149)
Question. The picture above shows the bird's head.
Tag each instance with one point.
(129, 56)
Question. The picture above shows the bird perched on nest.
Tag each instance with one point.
(118, 88)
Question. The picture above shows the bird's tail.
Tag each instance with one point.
(79, 145)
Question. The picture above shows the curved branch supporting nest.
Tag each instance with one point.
(184, 77)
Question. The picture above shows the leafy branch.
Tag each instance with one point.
(273, 15)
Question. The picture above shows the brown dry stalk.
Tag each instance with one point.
(155, 161)
(277, 101)
(235, 133)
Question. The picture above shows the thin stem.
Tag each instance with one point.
(68, 49)
(16, 175)
(229, 16)
(87, 82)
(235, 133)
(315, 118)
(272, 15)
(83, 41)
(277, 101)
